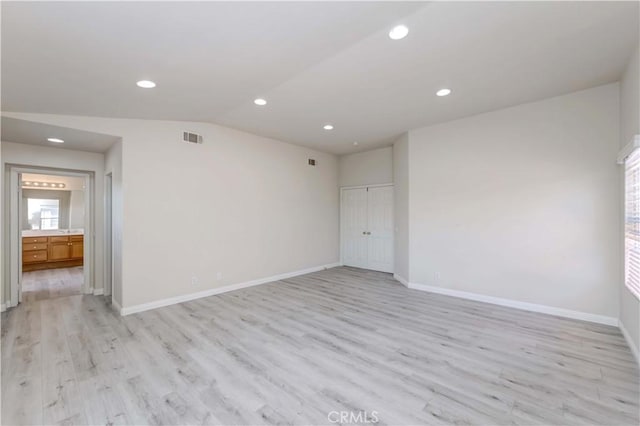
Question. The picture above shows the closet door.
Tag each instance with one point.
(380, 228)
(354, 227)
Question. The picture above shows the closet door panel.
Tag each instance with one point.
(354, 227)
(381, 228)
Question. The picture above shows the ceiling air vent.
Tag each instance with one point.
(191, 137)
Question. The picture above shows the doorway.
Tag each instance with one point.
(367, 227)
(50, 233)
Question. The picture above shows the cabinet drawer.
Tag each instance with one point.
(58, 239)
(34, 246)
(77, 238)
(31, 240)
(34, 256)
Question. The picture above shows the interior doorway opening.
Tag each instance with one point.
(52, 233)
(50, 228)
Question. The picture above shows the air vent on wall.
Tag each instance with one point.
(191, 137)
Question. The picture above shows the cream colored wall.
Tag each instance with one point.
(401, 206)
(630, 126)
(76, 209)
(521, 203)
(41, 156)
(366, 168)
(241, 205)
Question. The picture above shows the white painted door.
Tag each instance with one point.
(367, 228)
(380, 228)
(354, 227)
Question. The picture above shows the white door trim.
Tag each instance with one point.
(108, 220)
(377, 185)
(342, 189)
(15, 234)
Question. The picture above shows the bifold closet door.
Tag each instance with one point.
(354, 227)
(367, 228)
(380, 228)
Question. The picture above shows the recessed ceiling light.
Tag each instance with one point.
(146, 84)
(355, 144)
(55, 140)
(260, 102)
(443, 92)
(328, 127)
(398, 32)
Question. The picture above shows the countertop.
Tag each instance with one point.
(53, 232)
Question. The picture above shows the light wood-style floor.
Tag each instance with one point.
(50, 283)
(294, 351)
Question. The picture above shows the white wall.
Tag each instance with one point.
(630, 126)
(521, 203)
(76, 209)
(41, 156)
(366, 168)
(245, 206)
(401, 206)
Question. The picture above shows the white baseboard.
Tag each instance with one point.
(401, 280)
(630, 342)
(218, 290)
(567, 313)
(98, 291)
(3, 307)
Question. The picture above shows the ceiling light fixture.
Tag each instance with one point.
(355, 144)
(328, 127)
(43, 184)
(443, 92)
(55, 140)
(146, 84)
(260, 102)
(398, 32)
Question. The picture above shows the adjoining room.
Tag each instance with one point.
(53, 220)
(319, 213)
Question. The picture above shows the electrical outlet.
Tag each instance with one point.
(194, 280)
(437, 276)
(219, 276)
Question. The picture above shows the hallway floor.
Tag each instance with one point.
(52, 283)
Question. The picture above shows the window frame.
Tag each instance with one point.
(631, 219)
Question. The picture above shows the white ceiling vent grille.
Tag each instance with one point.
(191, 137)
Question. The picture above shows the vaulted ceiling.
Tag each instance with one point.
(314, 62)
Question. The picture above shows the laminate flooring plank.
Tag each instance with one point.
(293, 351)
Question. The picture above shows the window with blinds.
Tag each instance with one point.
(632, 223)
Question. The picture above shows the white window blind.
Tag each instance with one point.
(632, 223)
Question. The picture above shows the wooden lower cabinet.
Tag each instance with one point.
(59, 251)
(77, 247)
(52, 252)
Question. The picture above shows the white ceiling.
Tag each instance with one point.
(33, 133)
(315, 62)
